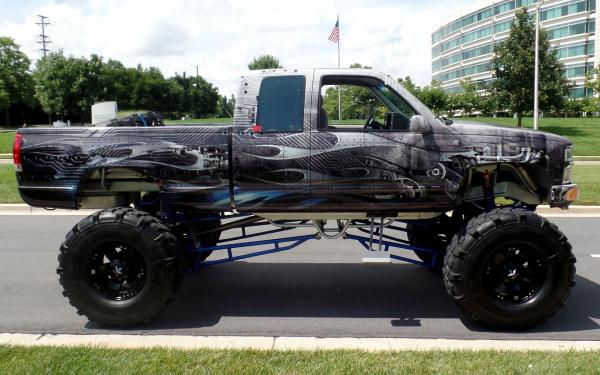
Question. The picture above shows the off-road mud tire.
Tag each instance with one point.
(475, 247)
(143, 233)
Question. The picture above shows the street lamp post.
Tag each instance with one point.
(536, 87)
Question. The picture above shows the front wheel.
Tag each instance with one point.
(510, 269)
(120, 267)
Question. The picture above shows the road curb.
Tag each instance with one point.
(573, 211)
(23, 209)
(290, 343)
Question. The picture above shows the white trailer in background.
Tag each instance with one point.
(104, 111)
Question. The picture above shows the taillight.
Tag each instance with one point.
(18, 142)
(256, 128)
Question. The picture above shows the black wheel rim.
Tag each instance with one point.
(515, 273)
(117, 271)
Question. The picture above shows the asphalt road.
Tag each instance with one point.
(321, 289)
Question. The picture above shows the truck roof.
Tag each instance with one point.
(305, 71)
(251, 81)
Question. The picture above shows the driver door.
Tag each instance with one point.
(369, 159)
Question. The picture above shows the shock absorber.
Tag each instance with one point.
(488, 191)
(167, 214)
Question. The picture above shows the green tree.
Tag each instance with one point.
(574, 108)
(204, 97)
(513, 65)
(225, 106)
(54, 77)
(16, 84)
(115, 84)
(453, 104)
(434, 97)
(264, 62)
(467, 101)
(488, 105)
(175, 95)
(88, 87)
(4, 97)
(357, 102)
(593, 82)
(150, 89)
(198, 97)
(410, 86)
(67, 85)
(591, 105)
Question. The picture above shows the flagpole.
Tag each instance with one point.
(339, 66)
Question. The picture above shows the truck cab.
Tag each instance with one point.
(289, 155)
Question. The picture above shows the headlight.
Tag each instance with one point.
(569, 163)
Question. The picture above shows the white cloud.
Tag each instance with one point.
(221, 36)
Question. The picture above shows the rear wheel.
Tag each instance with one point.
(510, 269)
(120, 267)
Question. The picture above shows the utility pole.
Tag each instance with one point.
(339, 66)
(44, 39)
(536, 84)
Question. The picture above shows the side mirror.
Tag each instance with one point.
(448, 122)
(420, 124)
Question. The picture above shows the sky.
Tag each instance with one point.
(220, 37)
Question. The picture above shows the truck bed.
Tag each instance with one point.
(56, 163)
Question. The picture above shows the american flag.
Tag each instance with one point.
(335, 33)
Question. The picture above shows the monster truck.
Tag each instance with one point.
(460, 197)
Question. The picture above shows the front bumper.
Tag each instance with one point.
(562, 196)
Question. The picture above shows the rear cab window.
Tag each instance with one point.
(281, 104)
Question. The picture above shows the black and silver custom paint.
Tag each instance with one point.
(219, 168)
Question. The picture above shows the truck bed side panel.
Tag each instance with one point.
(190, 164)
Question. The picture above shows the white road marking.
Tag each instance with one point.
(595, 255)
(377, 258)
(291, 343)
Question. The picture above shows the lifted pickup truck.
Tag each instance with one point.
(465, 196)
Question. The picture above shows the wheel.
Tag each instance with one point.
(428, 236)
(509, 269)
(120, 267)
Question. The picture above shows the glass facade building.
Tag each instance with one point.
(463, 46)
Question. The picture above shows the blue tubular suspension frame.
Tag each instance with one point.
(385, 242)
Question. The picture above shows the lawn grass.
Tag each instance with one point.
(583, 132)
(6, 141)
(129, 112)
(588, 179)
(87, 360)
(215, 120)
(8, 185)
(347, 122)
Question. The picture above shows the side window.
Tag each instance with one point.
(366, 106)
(359, 103)
(281, 104)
